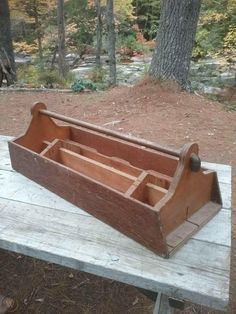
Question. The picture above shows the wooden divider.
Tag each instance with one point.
(146, 186)
(96, 170)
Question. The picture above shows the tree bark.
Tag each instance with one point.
(6, 47)
(61, 38)
(111, 42)
(38, 31)
(172, 56)
(98, 32)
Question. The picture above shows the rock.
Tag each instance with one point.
(23, 58)
(228, 78)
(212, 90)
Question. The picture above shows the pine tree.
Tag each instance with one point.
(111, 41)
(178, 24)
(7, 62)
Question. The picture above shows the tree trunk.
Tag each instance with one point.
(178, 24)
(38, 31)
(6, 47)
(111, 42)
(98, 32)
(61, 38)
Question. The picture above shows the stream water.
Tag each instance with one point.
(209, 76)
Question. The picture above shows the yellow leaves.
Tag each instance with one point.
(230, 38)
(213, 17)
(23, 46)
(71, 28)
(124, 7)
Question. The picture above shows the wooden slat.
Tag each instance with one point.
(198, 272)
(155, 193)
(142, 178)
(16, 187)
(184, 231)
(226, 192)
(223, 171)
(3, 141)
(117, 163)
(160, 179)
(49, 146)
(204, 214)
(144, 191)
(217, 230)
(96, 170)
(5, 162)
(139, 156)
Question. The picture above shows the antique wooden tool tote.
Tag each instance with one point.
(154, 195)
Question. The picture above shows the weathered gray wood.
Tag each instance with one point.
(223, 171)
(213, 231)
(16, 187)
(226, 192)
(3, 142)
(198, 272)
(5, 163)
(37, 193)
(224, 174)
(162, 305)
(35, 222)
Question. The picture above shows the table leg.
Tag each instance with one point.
(162, 305)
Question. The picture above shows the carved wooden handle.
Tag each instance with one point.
(40, 108)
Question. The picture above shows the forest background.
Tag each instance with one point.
(34, 32)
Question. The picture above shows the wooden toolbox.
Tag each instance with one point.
(156, 196)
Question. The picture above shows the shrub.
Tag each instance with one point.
(129, 45)
(28, 74)
(51, 79)
(81, 85)
(97, 74)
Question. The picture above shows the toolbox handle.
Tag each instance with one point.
(40, 108)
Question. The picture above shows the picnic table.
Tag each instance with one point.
(40, 224)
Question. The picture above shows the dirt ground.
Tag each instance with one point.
(162, 114)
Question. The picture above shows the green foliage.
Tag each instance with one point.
(51, 79)
(81, 85)
(97, 74)
(129, 45)
(28, 74)
(81, 24)
(216, 29)
(34, 76)
(230, 39)
(148, 15)
(123, 8)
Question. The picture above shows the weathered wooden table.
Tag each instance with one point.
(36, 222)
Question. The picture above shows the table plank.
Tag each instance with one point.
(5, 162)
(3, 142)
(16, 187)
(198, 272)
(214, 232)
(223, 171)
